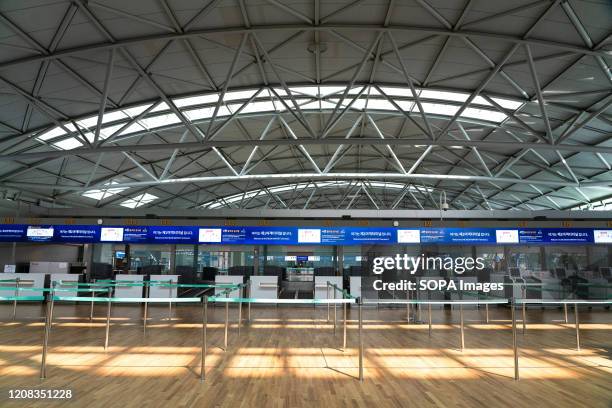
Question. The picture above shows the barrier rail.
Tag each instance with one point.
(227, 300)
(109, 300)
(549, 301)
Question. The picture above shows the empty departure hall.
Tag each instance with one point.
(301, 203)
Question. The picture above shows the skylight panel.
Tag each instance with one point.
(264, 106)
(233, 96)
(56, 131)
(444, 96)
(68, 144)
(403, 92)
(199, 114)
(159, 121)
(491, 116)
(196, 100)
(139, 200)
(508, 104)
(439, 109)
(136, 110)
(101, 194)
(306, 90)
(380, 104)
(161, 107)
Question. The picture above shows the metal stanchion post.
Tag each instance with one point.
(146, 309)
(170, 302)
(226, 321)
(514, 342)
(15, 300)
(249, 304)
(239, 316)
(462, 329)
(577, 327)
(335, 313)
(429, 310)
(43, 362)
(108, 315)
(360, 340)
(408, 305)
(91, 306)
(524, 317)
(565, 312)
(328, 302)
(344, 330)
(487, 313)
(204, 323)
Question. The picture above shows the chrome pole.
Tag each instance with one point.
(15, 300)
(170, 302)
(226, 321)
(108, 314)
(360, 341)
(487, 313)
(462, 329)
(146, 309)
(408, 305)
(577, 327)
(429, 319)
(204, 324)
(328, 302)
(91, 306)
(239, 317)
(49, 316)
(335, 313)
(515, 343)
(565, 313)
(524, 317)
(344, 329)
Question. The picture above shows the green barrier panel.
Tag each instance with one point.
(13, 298)
(345, 293)
(125, 300)
(24, 288)
(280, 301)
(435, 302)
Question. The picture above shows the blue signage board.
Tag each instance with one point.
(271, 235)
(568, 236)
(555, 235)
(241, 235)
(81, 234)
(356, 236)
(173, 235)
(12, 233)
(458, 235)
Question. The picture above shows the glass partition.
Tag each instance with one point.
(150, 259)
(226, 259)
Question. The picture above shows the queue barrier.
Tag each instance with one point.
(223, 297)
(109, 300)
(329, 301)
(524, 302)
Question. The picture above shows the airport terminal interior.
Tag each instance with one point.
(291, 203)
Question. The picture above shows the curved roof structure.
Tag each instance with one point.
(376, 104)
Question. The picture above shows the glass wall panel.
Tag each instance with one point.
(527, 258)
(226, 259)
(150, 259)
(570, 258)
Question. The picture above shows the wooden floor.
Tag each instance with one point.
(289, 357)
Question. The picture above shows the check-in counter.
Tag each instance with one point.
(156, 291)
(69, 283)
(263, 287)
(229, 279)
(26, 280)
(320, 286)
(135, 291)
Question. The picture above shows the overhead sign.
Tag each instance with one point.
(269, 235)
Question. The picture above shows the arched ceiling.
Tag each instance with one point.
(306, 104)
